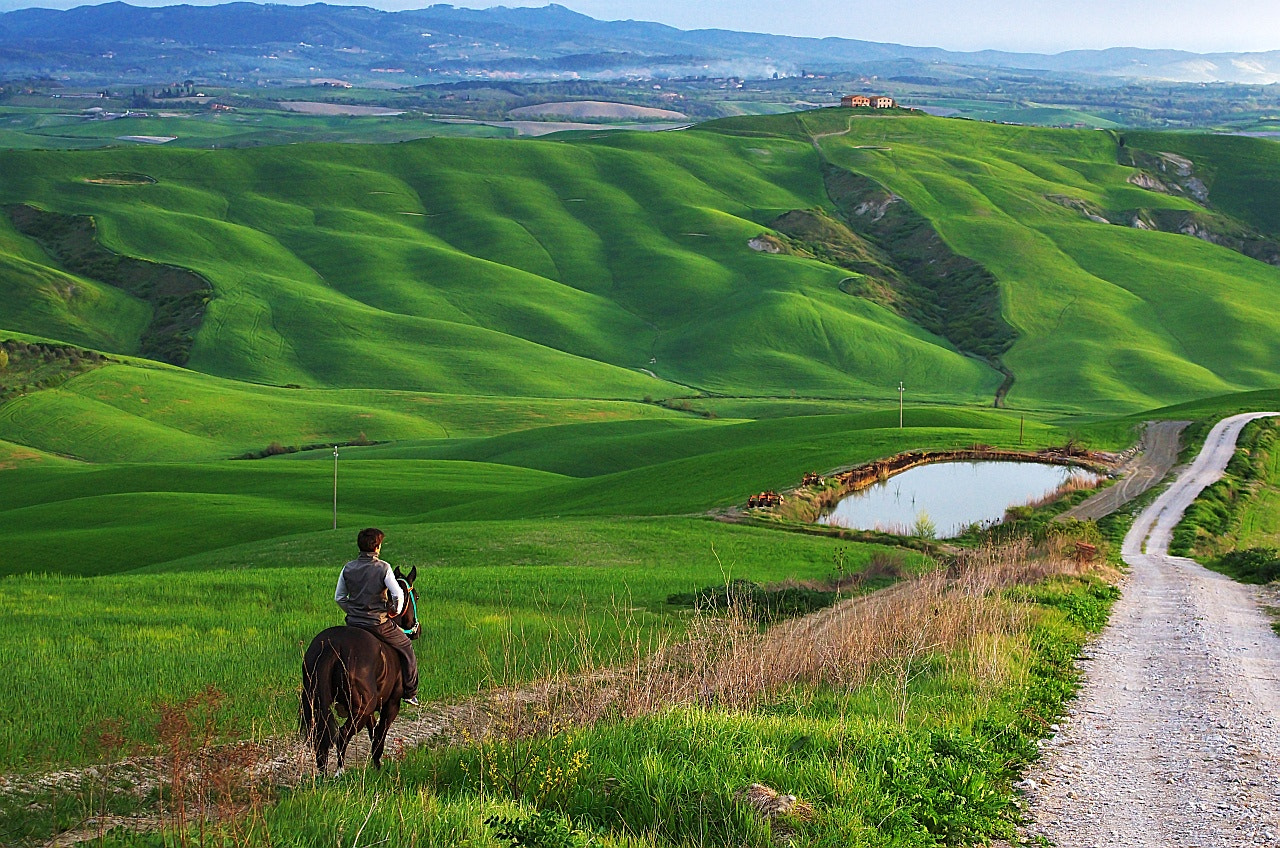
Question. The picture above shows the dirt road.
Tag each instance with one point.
(1159, 453)
(1173, 740)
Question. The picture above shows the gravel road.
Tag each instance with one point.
(1159, 453)
(1173, 740)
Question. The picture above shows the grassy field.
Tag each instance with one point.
(1071, 285)
(125, 413)
(546, 362)
(661, 466)
(35, 128)
(887, 739)
(1260, 519)
(114, 647)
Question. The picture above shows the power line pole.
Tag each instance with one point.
(335, 487)
(901, 389)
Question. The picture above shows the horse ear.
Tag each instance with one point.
(413, 575)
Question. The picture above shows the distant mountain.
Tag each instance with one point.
(248, 42)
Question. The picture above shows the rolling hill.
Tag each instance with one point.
(559, 321)
(546, 361)
(620, 267)
(513, 329)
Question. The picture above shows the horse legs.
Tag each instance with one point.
(386, 715)
(323, 740)
(318, 728)
(344, 738)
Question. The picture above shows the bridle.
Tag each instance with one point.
(410, 600)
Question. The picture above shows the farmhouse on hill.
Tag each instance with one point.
(856, 101)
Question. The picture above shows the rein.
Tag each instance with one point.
(408, 591)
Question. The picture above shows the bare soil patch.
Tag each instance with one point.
(581, 109)
(307, 107)
(121, 179)
(1155, 458)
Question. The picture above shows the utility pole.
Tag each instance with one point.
(335, 487)
(901, 389)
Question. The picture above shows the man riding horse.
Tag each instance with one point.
(363, 670)
(370, 595)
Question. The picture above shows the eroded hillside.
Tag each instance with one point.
(939, 253)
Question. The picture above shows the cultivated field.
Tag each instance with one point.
(580, 109)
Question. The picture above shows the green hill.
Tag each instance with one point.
(532, 305)
(536, 269)
(546, 361)
(564, 268)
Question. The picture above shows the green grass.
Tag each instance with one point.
(640, 467)
(487, 311)
(1241, 512)
(562, 268)
(563, 264)
(99, 515)
(922, 761)
(126, 413)
(238, 618)
(1259, 523)
(246, 127)
(1070, 286)
(1209, 527)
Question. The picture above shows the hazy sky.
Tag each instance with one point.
(1031, 25)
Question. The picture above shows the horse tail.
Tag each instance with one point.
(315, 715)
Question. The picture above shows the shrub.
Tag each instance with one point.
(756, 601)
(1261, 565)
(925, 527)
(542, 829)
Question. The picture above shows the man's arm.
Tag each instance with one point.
(393, 592)
(340, 596)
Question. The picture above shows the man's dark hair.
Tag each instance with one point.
(369, 539)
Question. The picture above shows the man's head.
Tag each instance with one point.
(370, 539)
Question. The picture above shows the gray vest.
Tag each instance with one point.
(366, 602)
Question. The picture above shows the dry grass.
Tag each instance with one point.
(956, 614)
(1074, 483)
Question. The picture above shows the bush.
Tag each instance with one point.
(755, 601)
(1255, 565)
(543, 829)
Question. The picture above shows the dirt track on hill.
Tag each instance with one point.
(1173, 739)
(1159, 453)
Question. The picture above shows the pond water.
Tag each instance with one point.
(952, 495)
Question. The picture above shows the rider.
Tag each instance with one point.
(369, 594)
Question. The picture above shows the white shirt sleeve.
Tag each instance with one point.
(393, 589)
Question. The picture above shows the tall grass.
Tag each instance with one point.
(897, 718)
(85, 651)
(954, 610)
(1081, 482)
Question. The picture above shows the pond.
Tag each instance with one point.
(951, 495)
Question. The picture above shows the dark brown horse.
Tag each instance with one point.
(355, 674)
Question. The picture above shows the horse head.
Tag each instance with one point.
(407, 620)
